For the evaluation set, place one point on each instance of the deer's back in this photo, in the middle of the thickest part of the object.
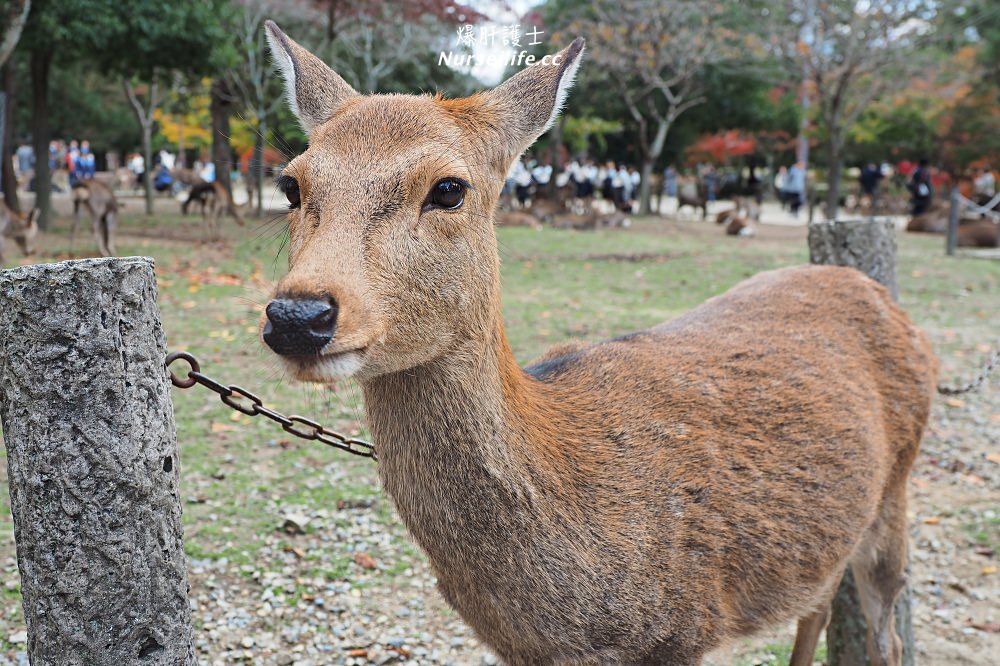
(742, 449)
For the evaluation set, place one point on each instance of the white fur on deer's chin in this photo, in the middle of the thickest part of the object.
(328, 368)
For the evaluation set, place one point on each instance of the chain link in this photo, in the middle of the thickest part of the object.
(245, 402)
(991, 363)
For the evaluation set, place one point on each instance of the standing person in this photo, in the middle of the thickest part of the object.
(71, 160)
(711, 180)
(25, 162)
(869, 180)
(795, 186)
(670, 181)
(921, 188)
(522, 182)
(984, 187)
(779, 186)
(634, 181)
(85, 164)
(541, 175)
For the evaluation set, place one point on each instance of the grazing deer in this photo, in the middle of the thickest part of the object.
(635, 501)
(691, 194)
(23, 228)
(215, 201)
(102, 206)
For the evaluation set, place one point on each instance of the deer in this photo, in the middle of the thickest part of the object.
(639, 500)
(215, 201)
(22, 227)
(102, 206)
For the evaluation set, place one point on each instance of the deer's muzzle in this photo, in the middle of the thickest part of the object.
(299, 327)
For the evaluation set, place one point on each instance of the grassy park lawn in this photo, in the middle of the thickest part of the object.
(240, 477)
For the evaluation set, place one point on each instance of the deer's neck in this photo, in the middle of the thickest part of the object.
(458, 443)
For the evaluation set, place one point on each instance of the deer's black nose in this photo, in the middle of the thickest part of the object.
(299, 327)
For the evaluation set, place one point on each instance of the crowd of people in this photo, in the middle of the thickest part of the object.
(617, 182)
(75, 158)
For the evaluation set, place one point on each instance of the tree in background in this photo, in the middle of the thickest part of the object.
(159, 40)
(13, 14)
(855, 52)
(656, 54)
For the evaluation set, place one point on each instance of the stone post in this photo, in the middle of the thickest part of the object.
(870, 246)
(93, 466)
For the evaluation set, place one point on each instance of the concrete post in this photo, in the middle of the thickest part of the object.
(870, 246)
(93, 466)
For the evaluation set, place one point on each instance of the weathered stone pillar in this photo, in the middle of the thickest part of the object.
(870, 246)
(93, 467)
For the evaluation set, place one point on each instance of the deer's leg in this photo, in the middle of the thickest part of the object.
(76, 223)
(880, 571)
(109, 233)
(97, 226)
(810, 627)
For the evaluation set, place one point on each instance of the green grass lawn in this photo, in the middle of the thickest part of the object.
(240, 475)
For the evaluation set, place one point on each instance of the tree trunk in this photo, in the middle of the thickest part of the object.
(833, 179)
(93, 465)
(8, 183)
(222, 152)
(145, 118)
(649, 160)
(41, 61)
(870, 246)
(645, 192)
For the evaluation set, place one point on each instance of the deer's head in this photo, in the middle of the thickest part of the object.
(392, 254)
(23, 228)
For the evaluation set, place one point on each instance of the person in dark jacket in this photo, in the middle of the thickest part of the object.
(921, 188)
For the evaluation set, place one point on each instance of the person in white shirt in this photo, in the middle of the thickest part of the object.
(984, 186)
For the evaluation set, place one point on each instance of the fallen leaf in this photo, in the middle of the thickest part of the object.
(955, 402)
(984, 550)
(365, 561)
(403, 652)
(931, 520)
(993, 457)
(221, 427)
(987, 570)
(992, 627)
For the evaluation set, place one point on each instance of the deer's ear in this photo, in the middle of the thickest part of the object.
(529, 102)
(314, 91)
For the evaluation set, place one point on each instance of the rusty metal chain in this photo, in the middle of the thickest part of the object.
(991, 363)
(244, 401)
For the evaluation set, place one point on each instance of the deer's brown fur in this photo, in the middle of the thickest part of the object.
(21, 227)
(635, 501)
(977, 233)
(102, 206)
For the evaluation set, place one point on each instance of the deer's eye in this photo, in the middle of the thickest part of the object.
(448, 193)
(290, 187)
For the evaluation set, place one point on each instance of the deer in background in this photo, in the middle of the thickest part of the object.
(103, 207)
(21, 227)
(640, 500)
